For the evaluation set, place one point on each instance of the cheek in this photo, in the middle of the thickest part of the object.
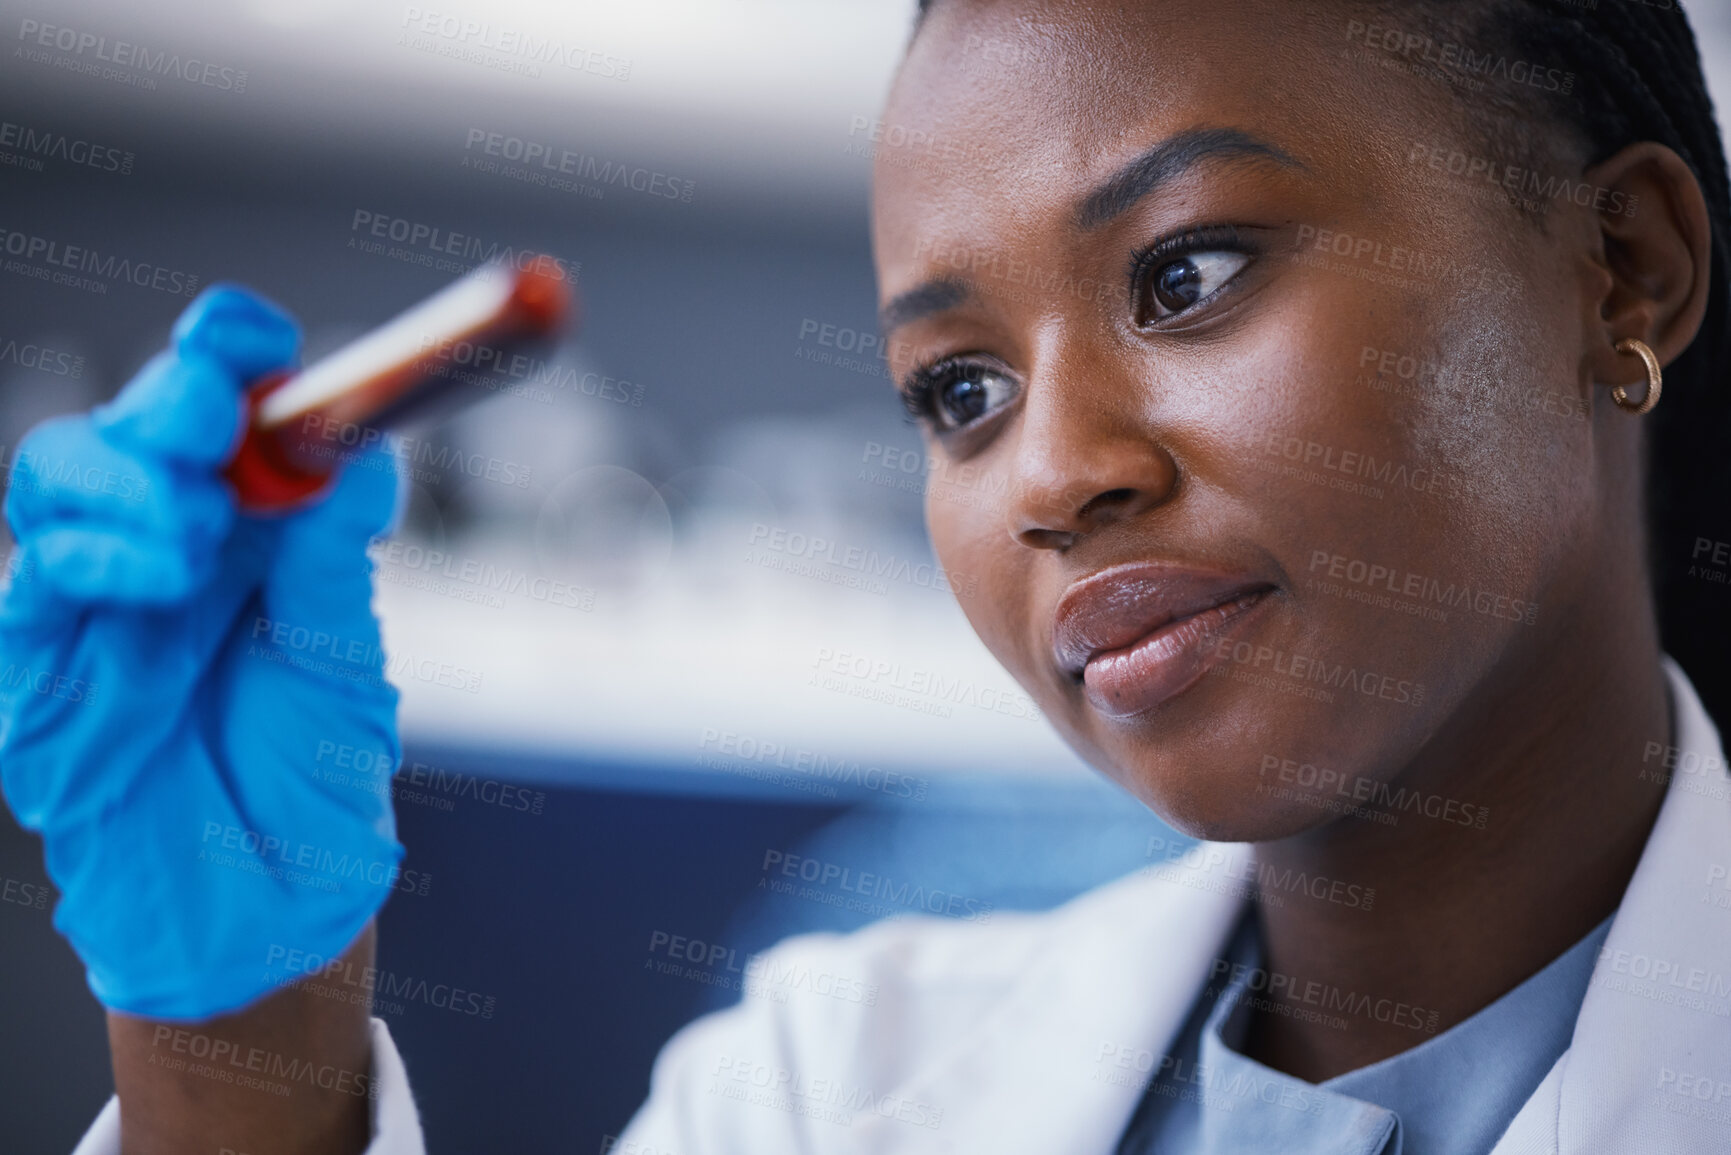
(1433, 416)
(966, 517)
(1419, 503)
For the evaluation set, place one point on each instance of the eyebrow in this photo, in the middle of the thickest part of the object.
(1167, 161)
(1159, 165)
(921, 301)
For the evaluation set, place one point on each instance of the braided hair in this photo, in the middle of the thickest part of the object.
(1643, 81)
(1639, 78)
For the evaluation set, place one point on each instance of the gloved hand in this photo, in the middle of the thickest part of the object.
(174, 675)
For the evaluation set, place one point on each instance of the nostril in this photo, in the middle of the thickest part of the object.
(1104, 500)
(1055, 539)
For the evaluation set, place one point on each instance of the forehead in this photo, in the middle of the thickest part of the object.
(1009, 111)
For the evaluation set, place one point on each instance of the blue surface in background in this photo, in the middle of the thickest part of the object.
(556, 915)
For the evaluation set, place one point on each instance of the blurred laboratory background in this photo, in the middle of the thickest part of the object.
(661, 607)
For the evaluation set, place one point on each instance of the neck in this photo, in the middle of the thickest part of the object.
(1462, 915)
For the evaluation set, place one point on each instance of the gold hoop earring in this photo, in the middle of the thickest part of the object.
(1655, 379)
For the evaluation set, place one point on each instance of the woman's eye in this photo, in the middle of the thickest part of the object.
(970, 395)
(1177, 285)
(962, 395)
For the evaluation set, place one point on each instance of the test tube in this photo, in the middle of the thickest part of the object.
(304, 424)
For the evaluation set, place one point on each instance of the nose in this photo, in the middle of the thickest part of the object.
(1085, 459)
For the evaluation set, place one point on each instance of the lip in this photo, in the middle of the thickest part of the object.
(1140, 634)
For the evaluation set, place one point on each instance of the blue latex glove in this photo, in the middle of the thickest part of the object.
(175, 675)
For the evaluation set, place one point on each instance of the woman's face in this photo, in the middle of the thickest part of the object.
(1261, 421)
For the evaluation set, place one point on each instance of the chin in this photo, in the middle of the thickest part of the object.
(1269, 822)
(1226, 776)
(1212, 799)
(1232, 761)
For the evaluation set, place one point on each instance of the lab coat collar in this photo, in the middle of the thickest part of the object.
(1654, 1031)
(1043, 1073)
(1114, 984)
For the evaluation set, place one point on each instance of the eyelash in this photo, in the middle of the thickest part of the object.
(1144, 263)
(919, 389)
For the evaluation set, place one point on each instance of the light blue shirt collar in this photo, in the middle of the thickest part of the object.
(1452, 1094)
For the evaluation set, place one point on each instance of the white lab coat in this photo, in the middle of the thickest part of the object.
(1033, 1033)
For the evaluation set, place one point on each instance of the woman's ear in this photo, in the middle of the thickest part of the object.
(1657, 245)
